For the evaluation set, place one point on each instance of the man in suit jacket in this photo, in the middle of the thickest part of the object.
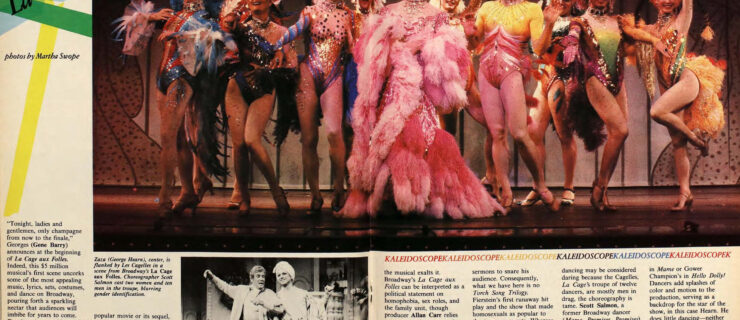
(253, 301)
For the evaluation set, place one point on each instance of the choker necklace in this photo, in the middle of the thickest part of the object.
(511, 2)
(329, 5)
(598, 13)
(413, 7)
(664, 20)
(193, 6)
(261, 24)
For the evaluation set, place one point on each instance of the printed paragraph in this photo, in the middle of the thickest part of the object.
(686, 293)
(599, 292)
(131, 276)
(41, 282)
(510, 293)
(421, 294)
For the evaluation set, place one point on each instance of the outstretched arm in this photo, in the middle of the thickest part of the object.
(541, 35)
(627, 24)
(294, 31)
(226, 288)
(161, 15)
(683, 21)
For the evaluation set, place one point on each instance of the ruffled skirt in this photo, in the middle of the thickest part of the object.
(706, 113)
(432, 180)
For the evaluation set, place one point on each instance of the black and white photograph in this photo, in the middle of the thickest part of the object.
(274, 288)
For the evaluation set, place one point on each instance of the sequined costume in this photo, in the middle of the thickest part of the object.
(194, 51)
(507, 29)
(561, 72)
(180, 55)
(599, 55)
(327, 40)
(253, 75)
(410, 67)
(706, 113)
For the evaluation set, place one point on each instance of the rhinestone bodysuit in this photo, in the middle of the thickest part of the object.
(328, 25)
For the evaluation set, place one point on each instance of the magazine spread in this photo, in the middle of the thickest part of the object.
(329, 159)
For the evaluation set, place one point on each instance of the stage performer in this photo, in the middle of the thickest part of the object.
(298, 304)
(505, 28)
(411, 63)
(188, 82)
(253, 301)
(552, 106)
(327, 26)
(458, 13)
(251, 94)
(689, 104)
(363, 10)
(596, 93)
(188, 78)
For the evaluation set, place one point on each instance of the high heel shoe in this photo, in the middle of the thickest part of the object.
(551, 205)
(532, 198)
(597, 196)
(565, 201)
(235, 200)
(599, 200)
(232, 205)
(204, 187)
(338, 202)
(165, 208)
(281, 200)
(684, 202)
(315, 208)
(244, 208)
(487, 184)
(605, 200)
(165, 212)
(506, 203)
(190, 201)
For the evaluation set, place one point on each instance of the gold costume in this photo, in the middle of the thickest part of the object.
(706, 113)
(524, 19)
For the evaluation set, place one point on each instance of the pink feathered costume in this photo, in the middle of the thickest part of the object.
(406, 70)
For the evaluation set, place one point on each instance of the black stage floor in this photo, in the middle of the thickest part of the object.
(124, 218)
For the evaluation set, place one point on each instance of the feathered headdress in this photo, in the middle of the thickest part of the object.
(134, 25)
(200, 47)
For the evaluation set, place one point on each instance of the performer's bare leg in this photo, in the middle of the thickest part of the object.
(476, 112)
(612, 110)
(540, 116)
(513, 99)
(172, 111)
(332, 109)
(307, 107)
(558, 111)
(676, 98)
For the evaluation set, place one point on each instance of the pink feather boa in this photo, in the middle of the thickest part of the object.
(389, 142)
